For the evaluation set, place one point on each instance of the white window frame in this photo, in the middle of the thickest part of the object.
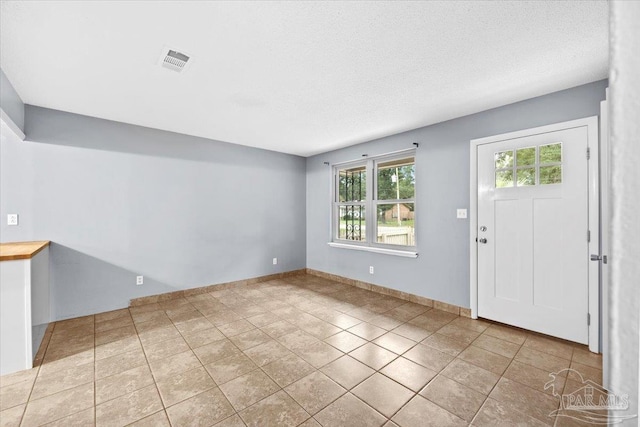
(370, 204)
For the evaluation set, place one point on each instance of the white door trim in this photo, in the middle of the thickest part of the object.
(591, 123)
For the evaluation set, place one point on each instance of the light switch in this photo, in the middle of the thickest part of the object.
(12, 219)
(462, 213)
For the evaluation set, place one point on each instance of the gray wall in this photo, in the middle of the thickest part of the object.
(624, 306)
(119, 200)
(441, 271)
(10, 102)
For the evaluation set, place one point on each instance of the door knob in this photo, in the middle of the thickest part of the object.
(483, 240)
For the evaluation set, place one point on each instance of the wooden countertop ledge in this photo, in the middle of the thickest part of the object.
(21, 250)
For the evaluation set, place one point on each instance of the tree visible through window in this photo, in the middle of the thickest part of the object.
(386, 204)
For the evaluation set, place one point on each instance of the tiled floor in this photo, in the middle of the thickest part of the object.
(298, 351)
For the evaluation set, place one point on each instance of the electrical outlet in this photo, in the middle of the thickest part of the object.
(371, 269)
(12, 219)
(139, 280)
(461, 213)
(275, 261)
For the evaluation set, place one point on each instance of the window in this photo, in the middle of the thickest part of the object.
(374, 202)
(540, 165)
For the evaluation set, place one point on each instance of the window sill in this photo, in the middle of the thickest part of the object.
(394, 252)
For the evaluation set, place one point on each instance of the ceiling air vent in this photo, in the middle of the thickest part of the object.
(174, 60)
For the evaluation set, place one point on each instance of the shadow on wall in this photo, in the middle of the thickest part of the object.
(81, 284)
(60, 128)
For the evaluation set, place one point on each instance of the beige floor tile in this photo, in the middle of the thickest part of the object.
(419, 410)
(53, 365)
(412, 332)
(173, 365)
(63, 380)
(11, 417)
(297, 339)
(585, 373)
(319, 354)
(15, 394)
(183, 314)
(18, 377)
(129, 408)
(367, 331)
(514, 335)
(223, 317)
(459, 333)
(310, 423)
(115, 334)
(477, 325)
(533, 377)
(159, 419)
(194, 325)
(235, 328)
(287, 369)
(549, 345)
(157, 335)
(215, 351)
(204, 337)
(582, 355)
(125, 382)
(485, 359)
(149, 316)
(263, 320)
(233, 421)
(350, 411)
(249, 388)
(408, 373)
(454, 397)
(428, 357)
(144, 308)
(445, 344)
(494, 413)
(315, 391)
(250, 339)
(204, 409)
(267, 352)
(496, 345)
(59, 405)
(394, 342)
(516, 396)
(229, 368)
(278, 329)
(321, 329)
(383, 394)
(73, 323)
(182, 386)
(544, 361)
(276, 410)
(117, 322)
(86, 417)
(385, 322)
(162, 349)
(345, 341)
(373, 356)
(156, 323)
(117, 347)
(471, 376)
(119, 363)
(429, 322)
(347, 371)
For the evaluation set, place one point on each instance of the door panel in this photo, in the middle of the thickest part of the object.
(533, 201)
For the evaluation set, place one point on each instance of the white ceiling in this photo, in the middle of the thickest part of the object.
(298, 77)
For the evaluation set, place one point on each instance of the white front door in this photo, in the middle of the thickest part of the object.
(533, 222)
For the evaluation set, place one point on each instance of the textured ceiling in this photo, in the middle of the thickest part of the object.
(298, 77)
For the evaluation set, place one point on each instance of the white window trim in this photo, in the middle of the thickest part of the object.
(370, 245)
(395, 252)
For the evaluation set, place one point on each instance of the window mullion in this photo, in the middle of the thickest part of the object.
(370, 206)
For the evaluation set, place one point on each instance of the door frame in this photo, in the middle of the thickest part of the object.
(591, 123)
